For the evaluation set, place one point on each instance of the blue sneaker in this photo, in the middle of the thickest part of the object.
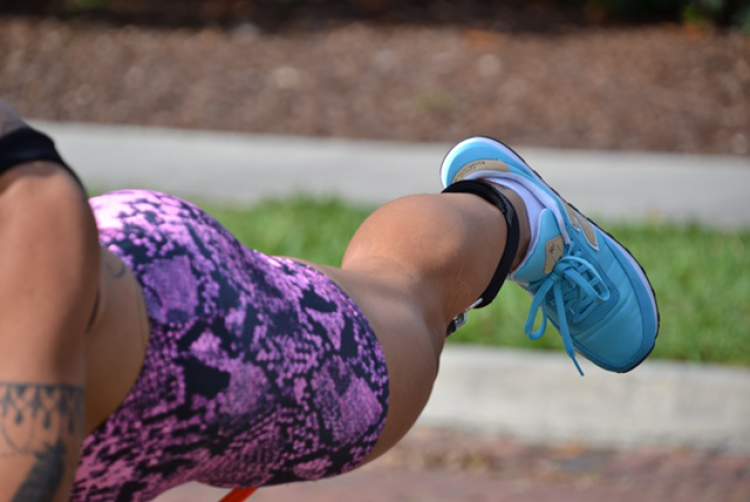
(584, 281)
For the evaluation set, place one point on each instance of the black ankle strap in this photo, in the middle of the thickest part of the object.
(492, 195)
(28, 145)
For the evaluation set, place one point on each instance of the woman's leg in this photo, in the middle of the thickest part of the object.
(284, 376)
(412, 267)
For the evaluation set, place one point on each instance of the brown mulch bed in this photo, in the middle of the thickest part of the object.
(655, 88)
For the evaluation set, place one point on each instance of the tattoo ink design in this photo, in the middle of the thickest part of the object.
(115, 267)
(37, 420)
(45, 476)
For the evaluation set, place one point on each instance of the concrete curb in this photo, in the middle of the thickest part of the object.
(539, 397)
(244, 168)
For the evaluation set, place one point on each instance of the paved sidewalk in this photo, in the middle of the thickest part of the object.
(433, 465)
(243, 168)
(538, 396)
(668, 431)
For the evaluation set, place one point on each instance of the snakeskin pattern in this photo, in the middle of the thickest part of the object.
(259, 370)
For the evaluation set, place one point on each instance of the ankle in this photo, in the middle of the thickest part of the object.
(524, 228)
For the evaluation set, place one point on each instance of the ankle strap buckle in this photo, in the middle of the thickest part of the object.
(461, 319)
(456, 323)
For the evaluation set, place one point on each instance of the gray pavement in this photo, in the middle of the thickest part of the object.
(537, 397)
(243, 168)
(540, 397)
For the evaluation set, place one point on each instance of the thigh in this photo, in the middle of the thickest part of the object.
(408, 342)
(316, 397)
(259, 370)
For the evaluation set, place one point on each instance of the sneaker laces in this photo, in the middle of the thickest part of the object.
(575, 288)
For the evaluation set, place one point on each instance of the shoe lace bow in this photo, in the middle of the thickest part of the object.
(574, 288)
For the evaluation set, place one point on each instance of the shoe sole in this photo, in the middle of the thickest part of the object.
(641, 273)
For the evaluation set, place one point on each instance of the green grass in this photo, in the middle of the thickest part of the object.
(701, 276)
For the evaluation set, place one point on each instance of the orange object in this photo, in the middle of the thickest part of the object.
(239, 495)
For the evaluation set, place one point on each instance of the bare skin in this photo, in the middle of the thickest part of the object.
(48, 271)
(409, 275)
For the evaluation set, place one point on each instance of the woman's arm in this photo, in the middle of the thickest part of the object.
(49, 270)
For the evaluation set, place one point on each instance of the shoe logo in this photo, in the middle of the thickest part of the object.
(480, 165)
(581, 223)
(555, 249)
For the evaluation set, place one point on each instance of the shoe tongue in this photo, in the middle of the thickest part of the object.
(546, 248)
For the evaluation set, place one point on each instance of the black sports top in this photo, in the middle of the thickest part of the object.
(27, 145)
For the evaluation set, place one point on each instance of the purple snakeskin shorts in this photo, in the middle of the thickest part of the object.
(259, 370)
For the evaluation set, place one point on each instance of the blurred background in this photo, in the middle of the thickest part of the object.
(664, 84)
(653, 74)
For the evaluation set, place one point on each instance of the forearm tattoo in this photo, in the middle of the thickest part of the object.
(39, 420)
